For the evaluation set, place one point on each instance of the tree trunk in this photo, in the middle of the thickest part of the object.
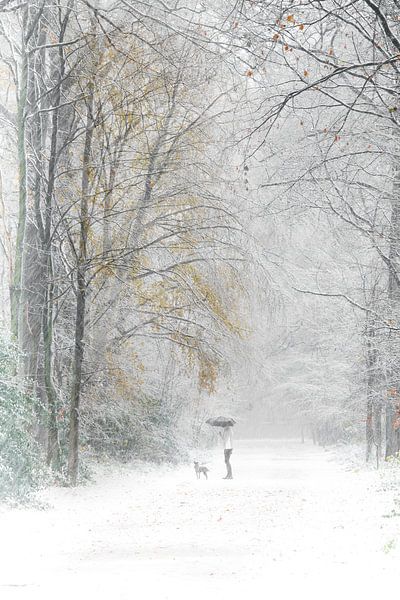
(77, 377)
(53, 444)
(378, 432)
(392, 408)
(371, 364)
(369, 430)
(29, 282)
(81, 290)
(15, 288)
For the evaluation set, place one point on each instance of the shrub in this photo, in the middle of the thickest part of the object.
(144, 428)
(21, 464)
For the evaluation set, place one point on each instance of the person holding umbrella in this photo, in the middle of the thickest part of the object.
(226, 423)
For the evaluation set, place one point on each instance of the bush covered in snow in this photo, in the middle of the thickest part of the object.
(21, 464)
(144, 428)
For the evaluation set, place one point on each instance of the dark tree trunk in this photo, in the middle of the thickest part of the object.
(372, 427)
(378, 431)
(77, 378)
(81, 291)
(53, 444)
(392, 408)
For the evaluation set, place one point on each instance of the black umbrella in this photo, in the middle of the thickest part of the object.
(221, 421)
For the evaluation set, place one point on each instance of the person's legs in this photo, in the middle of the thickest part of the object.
(228, 464)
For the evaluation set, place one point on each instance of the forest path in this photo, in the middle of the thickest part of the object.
(291, 523)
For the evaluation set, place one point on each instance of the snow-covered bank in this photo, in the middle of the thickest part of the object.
(292, 521)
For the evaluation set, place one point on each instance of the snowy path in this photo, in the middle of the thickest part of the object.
(292, 523)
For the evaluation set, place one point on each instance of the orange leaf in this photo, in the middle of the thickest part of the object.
(306, 73)
(249, 73)
(275, 37)
(290, 19)
(301, 27)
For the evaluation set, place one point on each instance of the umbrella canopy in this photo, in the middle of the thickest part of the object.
(221, 421)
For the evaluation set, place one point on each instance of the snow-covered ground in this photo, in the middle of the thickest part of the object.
(293, 523)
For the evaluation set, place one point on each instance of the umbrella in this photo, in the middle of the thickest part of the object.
(221, 421)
